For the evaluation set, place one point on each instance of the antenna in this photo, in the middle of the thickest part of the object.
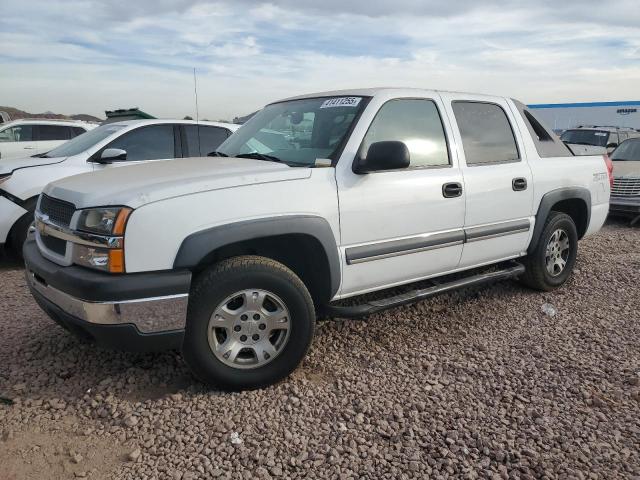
(195, 91)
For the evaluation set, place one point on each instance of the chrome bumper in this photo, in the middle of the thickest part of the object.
(149, 315)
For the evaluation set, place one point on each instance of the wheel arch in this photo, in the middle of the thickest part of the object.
(574, 201)
(29, 205)
(304, 243)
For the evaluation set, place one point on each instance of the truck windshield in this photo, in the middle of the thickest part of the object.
(597, 138)
(82, 142)
(628, 150)
(296, 132)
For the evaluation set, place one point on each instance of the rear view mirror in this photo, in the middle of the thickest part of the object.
(112, 155)
(388, 155)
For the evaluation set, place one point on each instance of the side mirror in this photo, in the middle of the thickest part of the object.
(388, 155)
(112, 155)
(611, 147)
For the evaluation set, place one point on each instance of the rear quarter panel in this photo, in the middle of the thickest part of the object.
(581, 171)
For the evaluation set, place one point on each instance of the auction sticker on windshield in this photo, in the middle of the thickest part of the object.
(341, 102)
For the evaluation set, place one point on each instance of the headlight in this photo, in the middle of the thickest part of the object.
(109, 223)
(104, 221)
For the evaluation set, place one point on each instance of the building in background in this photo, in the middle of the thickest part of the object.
(562, 116)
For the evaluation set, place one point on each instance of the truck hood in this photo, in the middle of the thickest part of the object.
(138, 185)
(626, 168)
(579, 149)
(10, 165)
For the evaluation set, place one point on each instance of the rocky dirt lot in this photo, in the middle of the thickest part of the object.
(499, 382)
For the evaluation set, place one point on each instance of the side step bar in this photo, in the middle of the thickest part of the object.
(512, 270)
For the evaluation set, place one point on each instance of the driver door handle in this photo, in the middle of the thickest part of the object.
(452, 190)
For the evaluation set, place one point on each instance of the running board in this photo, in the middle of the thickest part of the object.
(513, 270)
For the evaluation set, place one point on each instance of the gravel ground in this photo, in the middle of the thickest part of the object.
(499, 382)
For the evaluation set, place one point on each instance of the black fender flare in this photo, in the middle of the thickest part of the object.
(198, 245)
(549, 199)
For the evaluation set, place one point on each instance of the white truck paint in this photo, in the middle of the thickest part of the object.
(387, 226)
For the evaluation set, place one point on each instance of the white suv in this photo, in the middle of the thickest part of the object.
(114, 144)
(24, 138)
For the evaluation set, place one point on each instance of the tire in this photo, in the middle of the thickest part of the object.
(18, 234)
(251, 294)
(541, 271)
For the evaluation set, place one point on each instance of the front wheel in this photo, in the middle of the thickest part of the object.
(249, 324)
(552, 261)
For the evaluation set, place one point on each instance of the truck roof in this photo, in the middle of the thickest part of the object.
(370, 92)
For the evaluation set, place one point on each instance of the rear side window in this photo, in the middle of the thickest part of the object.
(486, 133)
(211, 138)
(417, 124)
(52, 132)
(207, 141)
(613, 138)
(147, 143)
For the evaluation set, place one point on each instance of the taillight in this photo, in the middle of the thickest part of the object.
(609, 165)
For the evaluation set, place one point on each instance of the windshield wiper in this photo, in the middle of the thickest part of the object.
(259, 156)
(217, 154)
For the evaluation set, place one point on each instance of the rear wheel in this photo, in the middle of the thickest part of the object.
(552, 261)
(250, 323)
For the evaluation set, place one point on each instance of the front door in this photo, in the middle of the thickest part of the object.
(497, 179)
(402, 225)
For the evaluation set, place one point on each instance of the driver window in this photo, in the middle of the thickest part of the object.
(147, 143)
(22, 133)
(417, 124)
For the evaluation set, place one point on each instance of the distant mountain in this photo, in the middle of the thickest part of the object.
(16, 114)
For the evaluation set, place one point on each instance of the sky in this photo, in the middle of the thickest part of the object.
(87, 56)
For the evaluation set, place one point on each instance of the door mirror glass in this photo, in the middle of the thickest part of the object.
(387, 155)
(113, 155)
(611, 147)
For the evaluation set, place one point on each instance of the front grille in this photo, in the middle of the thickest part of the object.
(626, 186)
(58, 211)
(56, 245)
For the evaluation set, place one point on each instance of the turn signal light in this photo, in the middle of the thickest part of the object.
(116, 260)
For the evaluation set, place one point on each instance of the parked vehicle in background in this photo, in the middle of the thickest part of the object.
(230, 260)
(594, 140)
(114, 144)
(625, 192)
(24, 138)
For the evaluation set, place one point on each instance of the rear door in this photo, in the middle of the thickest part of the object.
(399, 226)
(497, 179)
(49, 137)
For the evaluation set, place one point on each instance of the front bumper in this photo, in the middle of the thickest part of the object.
(624, 205)
(139, 311)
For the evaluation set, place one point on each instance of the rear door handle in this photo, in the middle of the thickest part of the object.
(29, 148)
(451, 190)
(519, 184)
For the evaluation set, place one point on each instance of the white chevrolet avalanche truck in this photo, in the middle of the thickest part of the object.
(316, 199)
(111, 145)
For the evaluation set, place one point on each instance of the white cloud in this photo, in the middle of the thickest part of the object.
(88, 56)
